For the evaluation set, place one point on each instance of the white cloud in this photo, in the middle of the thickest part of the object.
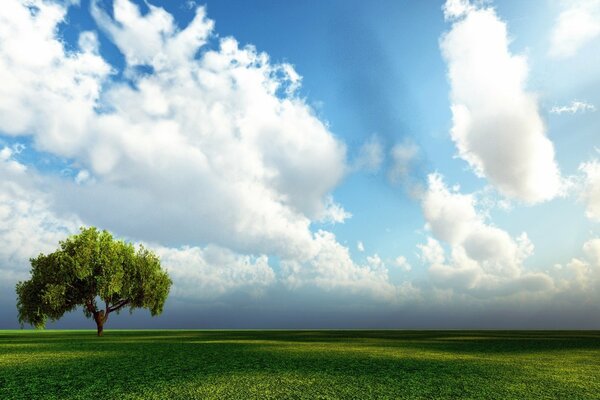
(28, 225)
(209, 149)
(334, 213)
(370, 155)
(206, 273)
(450, 216)
(577, 25)
(190, 4)
(360, 246)
(496, 124)
(402, 263)
(457, 8)
(375, 261)
(153, 39)
(484, 260)
(331, 268)
(44, 88)
(573, 108)
(217, 138)
(402, 155)
(584, 279)
(82, 177)
(254, 162)
(591, 189)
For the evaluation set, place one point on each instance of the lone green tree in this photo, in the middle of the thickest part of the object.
(88, 269)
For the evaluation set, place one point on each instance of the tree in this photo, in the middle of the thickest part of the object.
(89, 267)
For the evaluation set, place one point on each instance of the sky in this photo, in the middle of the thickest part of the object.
(332, 164)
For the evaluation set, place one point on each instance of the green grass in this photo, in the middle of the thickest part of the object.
(299, 365)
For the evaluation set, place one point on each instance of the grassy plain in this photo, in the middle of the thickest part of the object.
(300, 365)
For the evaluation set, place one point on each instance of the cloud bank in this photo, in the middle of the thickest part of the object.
(202, 149)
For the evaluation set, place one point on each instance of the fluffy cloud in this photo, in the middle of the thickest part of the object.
(577, 24)
(484, 260)
(331, 268)
(216, 137)
(582, 275)
(333, 213)
(153, 39)
(29, 226)
(205, 148)
(496, 125)
(457, 8)
(206, 273)
(253, 160)
(591, 189)
(402, 263)
(46, 90)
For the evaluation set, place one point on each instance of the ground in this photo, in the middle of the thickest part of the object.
(300, 365)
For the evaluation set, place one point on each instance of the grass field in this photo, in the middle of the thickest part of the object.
(299, 365)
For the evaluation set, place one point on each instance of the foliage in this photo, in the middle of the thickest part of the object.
(90, 266)
(300, 365)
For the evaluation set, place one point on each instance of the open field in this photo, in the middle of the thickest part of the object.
(300, 365)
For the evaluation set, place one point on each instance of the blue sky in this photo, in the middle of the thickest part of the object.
(350, 164)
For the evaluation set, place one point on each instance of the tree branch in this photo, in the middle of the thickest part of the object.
(91, 308)
(120, 303)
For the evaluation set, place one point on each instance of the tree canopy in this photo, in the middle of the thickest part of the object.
(93, 270)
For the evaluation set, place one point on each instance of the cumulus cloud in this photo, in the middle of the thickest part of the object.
(402, 263)
(331, 268)
(204, 147)
(29, 227)
(483, 259)
(457, 8)
(46, 89)
(333, 213)
(210, 272)
(153, 39)
(582, 274)
(216, 136)
(360, 246)
(591, 189)
(573, 108)
(577, 25)
(497, 128)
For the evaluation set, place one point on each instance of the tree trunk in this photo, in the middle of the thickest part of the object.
(100, 326)
(100, 320)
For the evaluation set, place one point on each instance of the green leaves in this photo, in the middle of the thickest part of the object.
(89, 265)
(151, 285)
(53, 296)
(29, 304)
